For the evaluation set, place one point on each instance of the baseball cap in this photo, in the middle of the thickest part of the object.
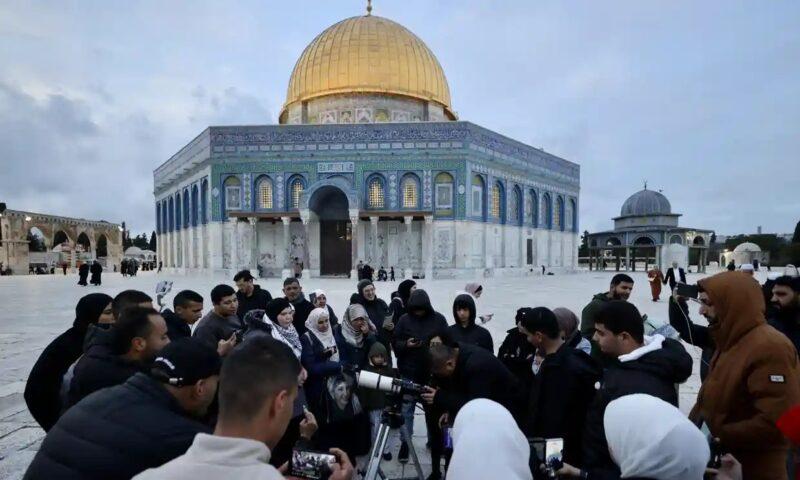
(184, 362)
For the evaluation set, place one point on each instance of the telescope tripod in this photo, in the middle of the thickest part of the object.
(391, 418)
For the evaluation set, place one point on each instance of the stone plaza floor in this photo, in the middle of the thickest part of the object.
(35, 309)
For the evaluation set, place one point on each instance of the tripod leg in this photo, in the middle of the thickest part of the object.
(406, 436)
(373, 467)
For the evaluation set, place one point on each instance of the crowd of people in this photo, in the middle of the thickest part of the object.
(129, 391)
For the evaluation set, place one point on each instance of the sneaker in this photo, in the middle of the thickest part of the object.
(402, 457)
(387, 456)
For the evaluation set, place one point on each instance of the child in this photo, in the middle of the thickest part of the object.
(374, 401)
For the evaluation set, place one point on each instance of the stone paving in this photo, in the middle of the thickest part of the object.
(35, 309)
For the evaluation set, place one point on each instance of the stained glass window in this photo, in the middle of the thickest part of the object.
(410, 193)
(297, 190)
(265, 194)
(495, 210)
(376, 197)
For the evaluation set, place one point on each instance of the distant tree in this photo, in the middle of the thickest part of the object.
(796, 236)
(153, 241)
(141, 241)
(583, 251)
(713, 238)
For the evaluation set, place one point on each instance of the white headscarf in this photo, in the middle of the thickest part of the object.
(325, 338)
(650, 438)
(790, 270)
(351, 335)
(319, 293)
(485, 426)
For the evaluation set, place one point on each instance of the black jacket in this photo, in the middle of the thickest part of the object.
(478, 374)
(656, 373)
(413, 363)
(257, 301)
(99, 368)
(302, 307)
(516, 353)
(176, 328)
(692, 333)
(43, 389)
(471, 334)
(788, 323)
(116, 434)
(559, 398)
(670, 278)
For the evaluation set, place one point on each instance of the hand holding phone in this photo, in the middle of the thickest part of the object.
(687, 291)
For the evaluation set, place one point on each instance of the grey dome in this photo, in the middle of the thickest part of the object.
(646, 202)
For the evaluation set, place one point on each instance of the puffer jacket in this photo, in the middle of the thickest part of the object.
(115, 434)
(754, 377)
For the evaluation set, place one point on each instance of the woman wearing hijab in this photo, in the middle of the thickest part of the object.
(400, 299)
(377, 310)
(42, 392)
(320, 355)
(649, 439)
(320, 300)
(355, 334)
(488, 444)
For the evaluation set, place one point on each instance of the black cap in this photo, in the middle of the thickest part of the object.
(276, 306)
(522, 313)
(184, 362)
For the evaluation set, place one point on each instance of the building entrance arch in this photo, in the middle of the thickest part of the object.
(331, 205)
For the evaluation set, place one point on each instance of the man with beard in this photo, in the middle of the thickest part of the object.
(752, 380)
(412, 336)
(620, 289)
(249, 295)
(302, 307)
(219, 326)
(137, 336)
(146, 421)
(649, 365)
(465, 330)
(786, 308)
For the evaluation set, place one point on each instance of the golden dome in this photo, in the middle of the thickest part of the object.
(368, 54)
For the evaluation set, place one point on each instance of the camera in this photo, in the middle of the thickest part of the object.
(392, 385)
(688, 291)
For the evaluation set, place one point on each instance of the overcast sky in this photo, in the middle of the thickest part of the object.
(702, 99)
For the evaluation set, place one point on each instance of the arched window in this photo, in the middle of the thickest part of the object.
(547, 211)
(195, 206)
(233, 193)
(559, 220)
(443, 191)
(477, 196)
(516, 206)
(376, 197)
(498, 202)
(171, 210)
(296, 187)
(264, 193)
(204, 201)
(178, 212)
(409, 188)
(573, 207)
(186, 209)
(534, 209)
(676, 239)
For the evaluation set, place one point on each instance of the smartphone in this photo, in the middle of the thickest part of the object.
(311, 465)
(688, 291)
(538, 446)
(553, 454)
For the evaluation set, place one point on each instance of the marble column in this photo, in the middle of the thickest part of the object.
(408, 272)
(354, 243)
(74, 256)
(627, 259)
(488, 261)
(523, 261)
(427, 246)
(254, 252)
(287, 262)
(374, 255)
(234, 243)
(201, 246)
(190, 250)
(305, 217)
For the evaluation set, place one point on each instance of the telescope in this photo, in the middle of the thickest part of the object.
(386, 384)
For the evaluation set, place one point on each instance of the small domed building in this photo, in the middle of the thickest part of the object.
(369, 162)
(746, 252)
(647, 231)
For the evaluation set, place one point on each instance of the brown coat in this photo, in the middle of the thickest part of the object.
(754, 378)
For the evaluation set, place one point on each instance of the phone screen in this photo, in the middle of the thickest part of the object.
(311, 465)
(552, 449)
(689, 291)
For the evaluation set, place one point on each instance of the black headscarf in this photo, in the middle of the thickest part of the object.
(404, 290)
(88, 310)
(276, 306)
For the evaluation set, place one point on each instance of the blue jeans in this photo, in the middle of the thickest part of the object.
(409, 406)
